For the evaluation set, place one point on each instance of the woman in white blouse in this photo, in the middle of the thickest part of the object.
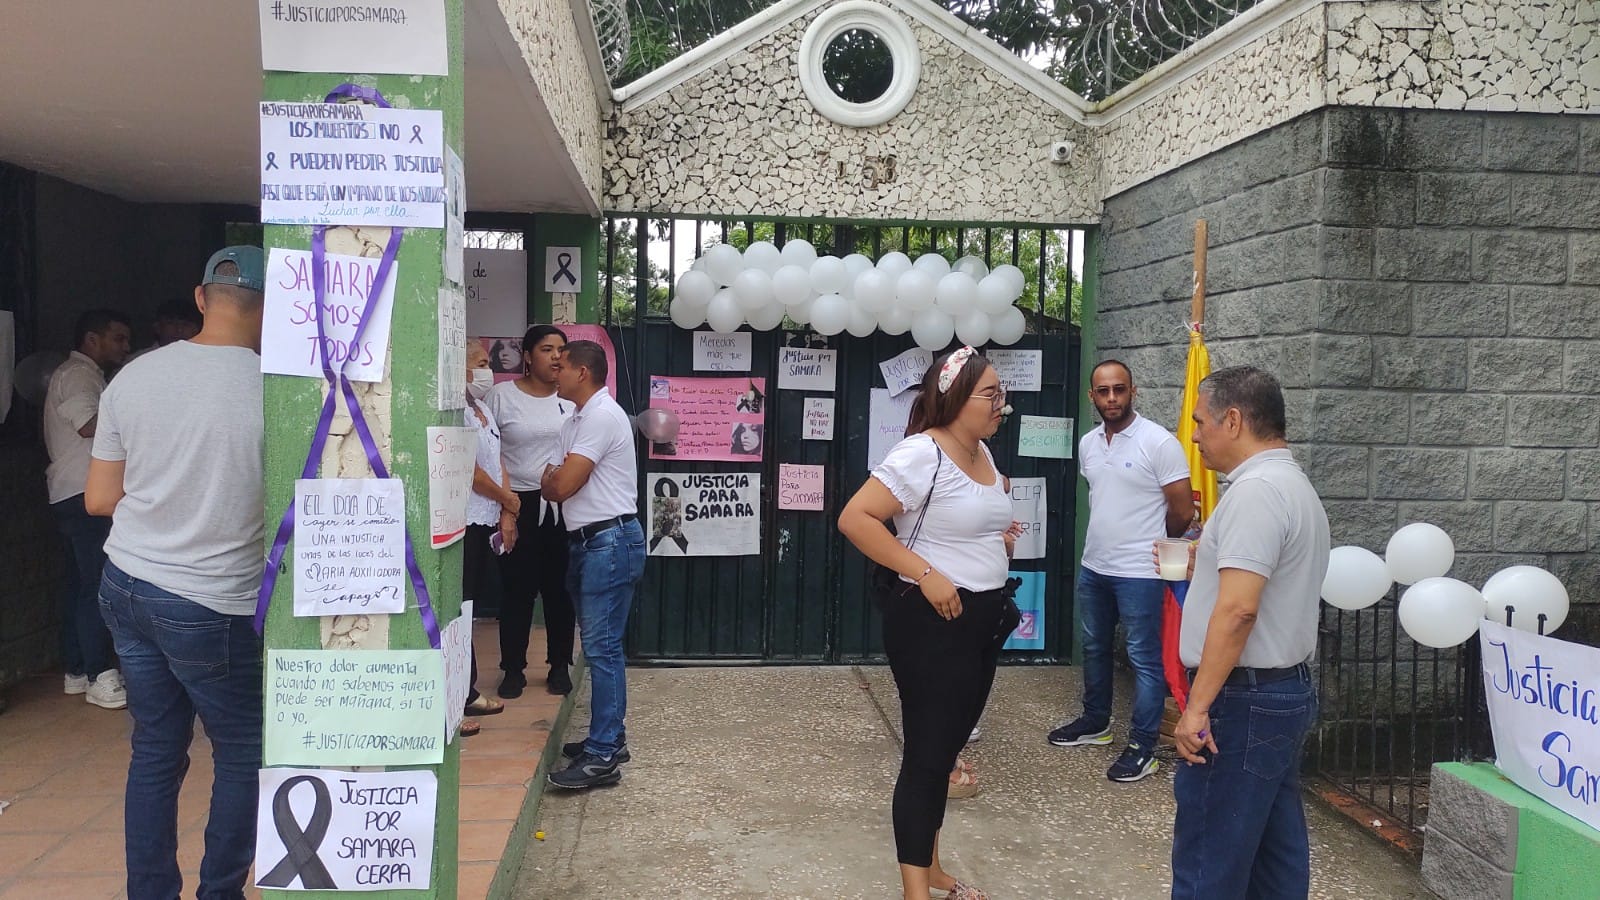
(491, 513)
(949, 610)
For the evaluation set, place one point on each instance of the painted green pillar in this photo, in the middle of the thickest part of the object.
(398, 410)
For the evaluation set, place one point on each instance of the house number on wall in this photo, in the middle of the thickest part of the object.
(875, 171)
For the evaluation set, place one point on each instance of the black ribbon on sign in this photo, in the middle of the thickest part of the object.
(272, 161)
(563, 262)
(301, 860)
(416, 135)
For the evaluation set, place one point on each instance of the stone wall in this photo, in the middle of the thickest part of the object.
(551, 45)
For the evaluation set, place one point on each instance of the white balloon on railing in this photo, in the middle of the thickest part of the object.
(724, 263)
(932, 263)
(1008, 327)
(862, 322)
(799, 253)
(1014, 275)
(971, 265)
(914, 291)
(800, 313)
(1356, 579)
(855, 264)
(894, 264)
(699, 264)
(1441, 612)
(830, 313)
(695, 289)
(828, 275)
(1529, 590)
(767, 317)
(685, 314)
(874, 291)
(974, 328)
(791, 285)
(753, 288)
(763, 255)
(932, 330)
(956, 295)
(994, 294)
(724, 314)
(894, 320)
(1419, 551)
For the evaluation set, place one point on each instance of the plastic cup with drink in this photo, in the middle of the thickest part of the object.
(1172, 559)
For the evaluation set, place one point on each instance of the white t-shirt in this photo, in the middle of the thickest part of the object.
(71, 400)
(600, 432)
(963, 534)
(530, 431)
(483, 510)
(1127, 508)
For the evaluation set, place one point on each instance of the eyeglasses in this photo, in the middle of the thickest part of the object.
(995, 400)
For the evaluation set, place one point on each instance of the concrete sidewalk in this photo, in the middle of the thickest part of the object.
(776, 782)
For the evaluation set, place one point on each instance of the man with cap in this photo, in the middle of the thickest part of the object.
(177, 465)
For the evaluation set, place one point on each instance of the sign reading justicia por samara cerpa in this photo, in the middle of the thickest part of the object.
(1544, 706)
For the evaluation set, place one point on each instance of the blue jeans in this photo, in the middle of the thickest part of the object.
(1102, 601)
(602, 574)
(1241, 830)
(85, 642)
(179, 659)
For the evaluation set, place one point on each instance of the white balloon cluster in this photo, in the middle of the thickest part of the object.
(1437, 611)
(931, 298)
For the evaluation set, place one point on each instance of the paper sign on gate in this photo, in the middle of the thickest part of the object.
(563, 270)
(351, 164)
(718, 418)
(1029, 506)
(349, 546)
(712, 514)
(1019, 370)
(452, 456)
(1029, 633)
(456, 643)
(289, 316)
(1045, 436)
(799, 487)
(326, 830)
(721, 352)
(497, 291)
(906, 370)
(818, 419)
(394, 37)
(354, 707)
(805, 369)
(886, 423)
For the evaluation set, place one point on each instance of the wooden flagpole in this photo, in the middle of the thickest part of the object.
(1197, 304)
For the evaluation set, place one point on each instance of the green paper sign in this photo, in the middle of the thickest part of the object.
(354, 707)
(1045, 436)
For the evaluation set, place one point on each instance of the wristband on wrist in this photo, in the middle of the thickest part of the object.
(925, 573)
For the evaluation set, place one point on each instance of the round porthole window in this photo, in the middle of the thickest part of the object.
(859, 64)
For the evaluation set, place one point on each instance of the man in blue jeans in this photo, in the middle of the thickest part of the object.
(596, 484)
(1138, 492)
(1249, 632)
(177, 465)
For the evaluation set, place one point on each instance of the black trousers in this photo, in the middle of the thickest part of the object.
(475, 567)
(943, 670)
(536, 567)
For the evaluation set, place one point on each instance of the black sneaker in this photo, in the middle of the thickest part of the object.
(587, 771)
(1078, 733)
(575, 750)
(559, 681)
(1135, 763)
(511, 686)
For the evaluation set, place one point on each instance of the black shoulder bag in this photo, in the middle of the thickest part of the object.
(886, 582)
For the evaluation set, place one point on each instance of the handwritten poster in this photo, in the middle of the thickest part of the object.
(906, 370)
(1045, 436)
(718, 418)
(818, 419)
(799, 487)
(1029, 633)
(497, 291)
(1029, 506)
(351, 164)
(452, 359)
(1019, 370)
(289, 316)
(456, 643)
(452, 456)
(323, 830)
(704, 515)
(354, 707)
(455, 198)
(398, 37)
(805, 369)
(887, 415)
(721, 352)
(349, 546)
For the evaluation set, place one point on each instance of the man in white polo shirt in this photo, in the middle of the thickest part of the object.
(597, 485)
(1138, 492)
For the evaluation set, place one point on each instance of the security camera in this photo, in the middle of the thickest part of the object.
(1061, 152)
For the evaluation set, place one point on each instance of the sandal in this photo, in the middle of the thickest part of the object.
(963, 785)
(963, 892)
(483, 706)
(469, 728)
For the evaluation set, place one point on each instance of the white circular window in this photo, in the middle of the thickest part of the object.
(859, 63)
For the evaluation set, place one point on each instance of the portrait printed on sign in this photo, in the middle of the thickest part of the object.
(505, 357)
(666, 515)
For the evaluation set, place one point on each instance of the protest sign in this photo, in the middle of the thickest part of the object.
(1029, 633)
(452, 392)
(718, 418)
(289, 316)
(455, 641)
(354, 707)
(497, 292)
(563, 270)
(349, 546)
(704, 515)
(906, 370)
(393, 37)
(818, 419)
(351, 164)
(455, 198)
(804, 369)
(1045, 436)
(322, 830)
(1028, 508)
(886, 423)
(452, 456)
(1019, 370)
(799, 487)
(715, 352)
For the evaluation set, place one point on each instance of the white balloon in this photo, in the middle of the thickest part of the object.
(894, 264)
(799, 253)
(1530, 590)
(994, 294)
(828, 275)
(1356, 579)
(934, 264)
(1419, 551)
(724, 314)
(685, 314)
(800, 313)
(724, 263)
(763, 255)
(932, 330)
(753, 288)
(1013, 275)
(914, 291)
(695, 289)
(699, 264)
(1441, 612)
(830, 313)
(971, 265)
(1008, 327)
(791, 285)
(874, 291)
(862, 322)
(973, 328)
(766, 318)
(855, 264)
(894, 320)
(957, 294)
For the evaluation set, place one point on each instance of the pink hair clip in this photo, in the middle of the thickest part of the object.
(952, 367)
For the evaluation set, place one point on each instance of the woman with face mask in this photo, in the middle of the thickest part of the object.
(491, 512)
(530, 416)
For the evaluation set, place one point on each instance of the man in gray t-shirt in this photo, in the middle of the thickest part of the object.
(1249, 630)
(176, 463)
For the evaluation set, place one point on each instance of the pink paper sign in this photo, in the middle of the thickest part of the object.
(799, 487)
(718, 418)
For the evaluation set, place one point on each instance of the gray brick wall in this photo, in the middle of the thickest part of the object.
(1427, 286)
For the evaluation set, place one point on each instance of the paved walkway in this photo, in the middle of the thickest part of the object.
(775, 782)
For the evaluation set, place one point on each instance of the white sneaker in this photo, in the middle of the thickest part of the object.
(107, 691)
(977, 732)
(74, 684)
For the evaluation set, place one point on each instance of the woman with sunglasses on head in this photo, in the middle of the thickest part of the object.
(949, 609)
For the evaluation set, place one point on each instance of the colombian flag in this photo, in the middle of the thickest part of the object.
(1203, 482)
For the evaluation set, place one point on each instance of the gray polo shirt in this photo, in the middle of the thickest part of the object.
(1270, 522)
